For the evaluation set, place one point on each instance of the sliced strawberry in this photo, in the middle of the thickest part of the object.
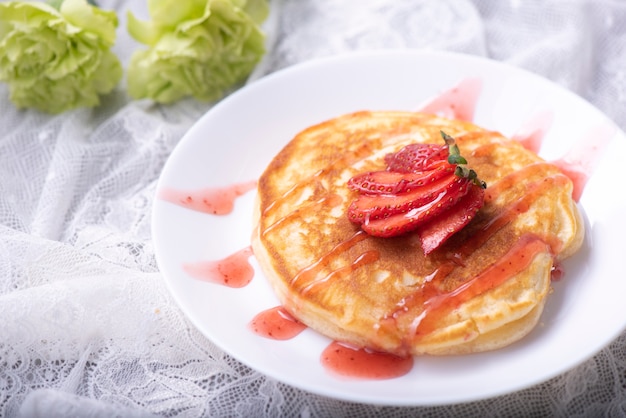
(426, 188)
(371, 207)
(382, 182)
(390, 222)
(392, 182)
(434, 233)
(415, 157)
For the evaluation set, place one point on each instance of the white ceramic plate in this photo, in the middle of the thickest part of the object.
(235, 141)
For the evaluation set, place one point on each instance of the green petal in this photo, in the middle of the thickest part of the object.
(258, 10)
(142, 31)
(90, 18)
(203, 56)
(170, 13)
(108, 73)
(55, 61)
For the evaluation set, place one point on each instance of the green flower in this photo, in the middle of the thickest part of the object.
(55, 60)
(198, 48)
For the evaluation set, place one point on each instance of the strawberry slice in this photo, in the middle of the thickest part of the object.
(426, 188)
(371, 207)
(388, 222)
(416, 157)
(434, 233)
(392, 182)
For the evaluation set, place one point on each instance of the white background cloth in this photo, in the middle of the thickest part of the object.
(87, 327)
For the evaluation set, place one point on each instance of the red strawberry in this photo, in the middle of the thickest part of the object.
(393, 223)
(442, 193)
(438, 230)
(415, 157)
(392, 182)
(426, 188)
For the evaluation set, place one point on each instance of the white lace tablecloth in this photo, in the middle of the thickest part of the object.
(87, 325)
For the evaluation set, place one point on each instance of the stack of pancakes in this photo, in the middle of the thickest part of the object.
(483, 289)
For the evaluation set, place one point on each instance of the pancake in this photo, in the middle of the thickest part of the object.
(483, 289)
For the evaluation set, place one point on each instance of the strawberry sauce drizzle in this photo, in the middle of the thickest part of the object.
(507, 182)
(456, 103)
(347, 159)
(531, 134)
(580, 162)
(522, 204)
(429, 294)
(214, 201)
(310, 273)
(362, 363)
(329, 200)
(232, 271)
(518, 258)
(367, 257)
(557, 272)
(276, 324)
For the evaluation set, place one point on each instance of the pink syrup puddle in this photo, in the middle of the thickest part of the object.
(277, 324)
(361, 363)
(214, 200)
(581, 161)
(557, 273)
(232, 271)
(457, 103)
(531, 134)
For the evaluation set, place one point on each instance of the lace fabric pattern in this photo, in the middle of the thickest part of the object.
(88, 327)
